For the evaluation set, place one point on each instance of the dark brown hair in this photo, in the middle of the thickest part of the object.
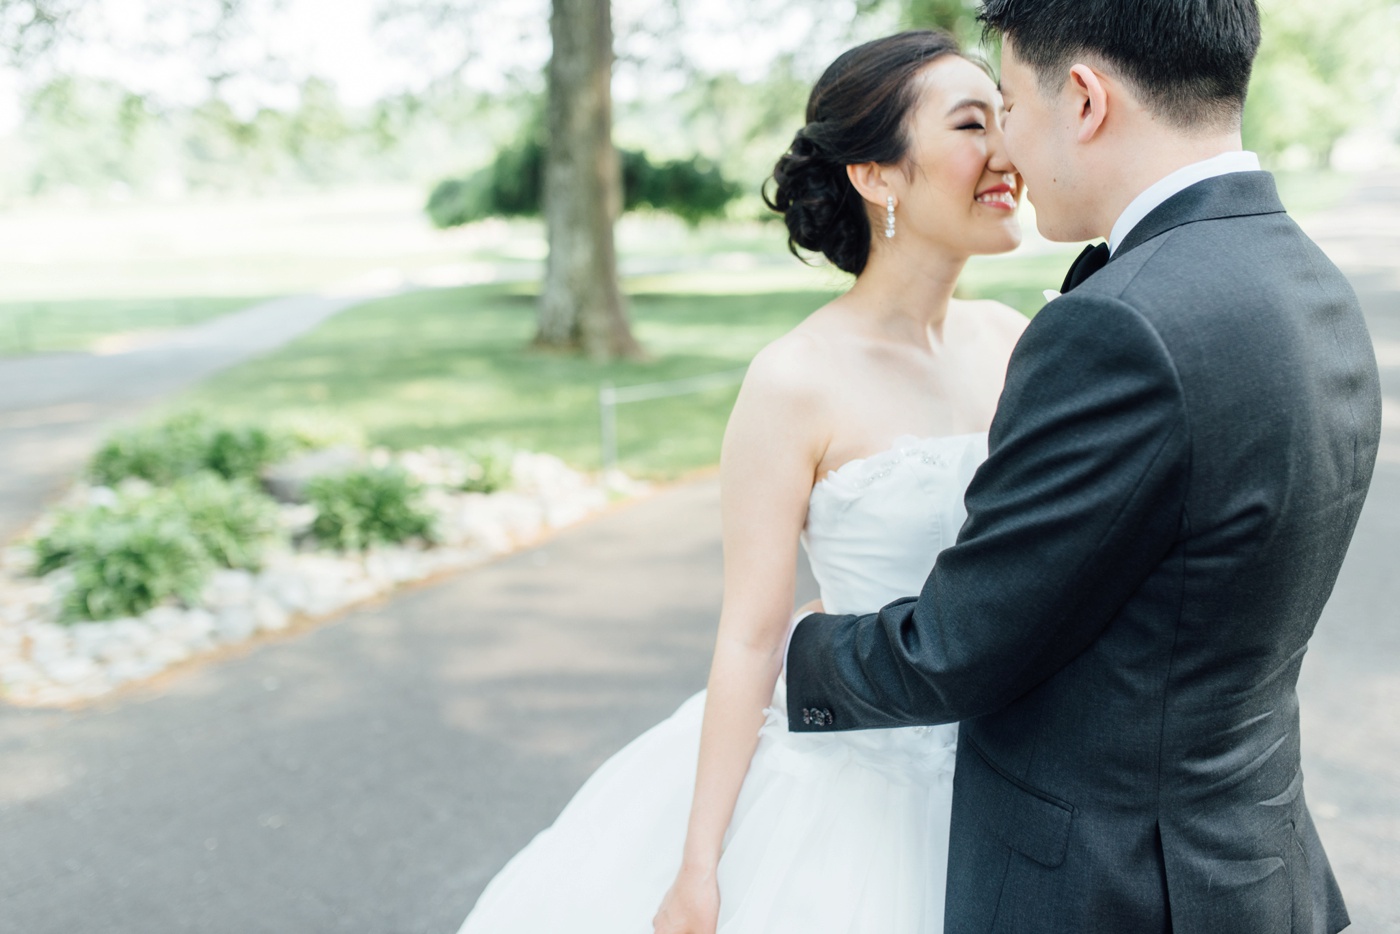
(858, 112)
(1188, 60)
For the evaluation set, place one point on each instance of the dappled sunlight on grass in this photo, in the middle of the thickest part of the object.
(741, 280)
(452, 366)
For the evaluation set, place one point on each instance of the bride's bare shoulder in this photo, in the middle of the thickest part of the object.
(995, 319)
(796, 366)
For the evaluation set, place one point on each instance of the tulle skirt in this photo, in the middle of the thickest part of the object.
(834, 833)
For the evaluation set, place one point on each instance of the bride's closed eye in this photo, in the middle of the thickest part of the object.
(972, 126)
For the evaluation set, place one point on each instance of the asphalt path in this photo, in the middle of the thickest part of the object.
(372, 773)
(55, 408)
(1350, 685)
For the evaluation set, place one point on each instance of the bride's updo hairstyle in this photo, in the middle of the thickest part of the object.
(857, 113)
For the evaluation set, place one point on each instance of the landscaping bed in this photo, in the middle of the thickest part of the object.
(175, 544)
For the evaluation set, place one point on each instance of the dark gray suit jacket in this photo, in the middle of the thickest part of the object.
(1176, 468)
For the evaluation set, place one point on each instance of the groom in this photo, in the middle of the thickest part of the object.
(1182, 449)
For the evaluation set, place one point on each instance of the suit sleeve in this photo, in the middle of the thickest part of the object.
(1079, 499)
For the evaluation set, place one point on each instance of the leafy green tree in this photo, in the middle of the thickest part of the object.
(581, 303)
(89, 134)
(958, 17)
(1317, 76)
(28, 28)
(581, 306)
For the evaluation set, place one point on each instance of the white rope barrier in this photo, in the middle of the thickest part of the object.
(610, 397)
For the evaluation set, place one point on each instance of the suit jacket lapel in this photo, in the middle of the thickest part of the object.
(1238, 194)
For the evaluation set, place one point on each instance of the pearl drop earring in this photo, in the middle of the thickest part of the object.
(889, 217)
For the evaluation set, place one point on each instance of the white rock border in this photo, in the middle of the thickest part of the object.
(45, 663)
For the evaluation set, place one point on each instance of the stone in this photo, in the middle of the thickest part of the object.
(287, 481)
(132, 632)
(164, 618)
(17, 674)
(115, 652)
(48, 637)
(435, 467)
(235, 624)
(286, 586)
(200, 622)
(228, 588)
(387, 567)
(89, 639)
(70, 670)
(166, 652)
(11, 637)
(270, 615)
(295, 519)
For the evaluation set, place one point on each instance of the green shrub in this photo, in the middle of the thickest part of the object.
(159, 453)
(136, 563)
(457, 201)
(234, 520)
(185, 444)
(242, 453)
(125, 559)
(145, 548)
(510, 186)
(691, 189)
(71, 530)
(488, 468)
(363, 507)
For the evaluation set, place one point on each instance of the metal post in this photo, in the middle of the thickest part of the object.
(607, 412)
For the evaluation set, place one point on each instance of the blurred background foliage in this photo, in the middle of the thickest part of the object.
(701, 88)
(165, 161)
(692, 189)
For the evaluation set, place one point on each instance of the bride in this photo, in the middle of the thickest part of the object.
(857, 433)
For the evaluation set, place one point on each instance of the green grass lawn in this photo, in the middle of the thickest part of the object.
(42, 326)
(451, 366)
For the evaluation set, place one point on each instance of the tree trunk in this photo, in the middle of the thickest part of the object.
(582, 305)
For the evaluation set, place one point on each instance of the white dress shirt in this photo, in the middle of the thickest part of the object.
(1180, 180)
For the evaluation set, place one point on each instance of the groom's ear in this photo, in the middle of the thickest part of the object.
(1090, 96)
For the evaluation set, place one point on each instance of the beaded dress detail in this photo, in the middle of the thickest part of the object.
(833, 833)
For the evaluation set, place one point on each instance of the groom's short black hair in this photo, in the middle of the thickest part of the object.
(1188, 60)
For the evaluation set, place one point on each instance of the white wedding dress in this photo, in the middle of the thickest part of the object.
(833, 833)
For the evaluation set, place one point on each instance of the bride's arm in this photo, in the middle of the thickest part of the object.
(771, 448)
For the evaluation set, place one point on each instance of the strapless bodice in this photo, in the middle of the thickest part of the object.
(874, 528)
(876, 524)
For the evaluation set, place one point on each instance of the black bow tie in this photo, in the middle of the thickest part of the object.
(1089, 262)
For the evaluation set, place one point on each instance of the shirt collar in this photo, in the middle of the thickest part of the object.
(1180, 180)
